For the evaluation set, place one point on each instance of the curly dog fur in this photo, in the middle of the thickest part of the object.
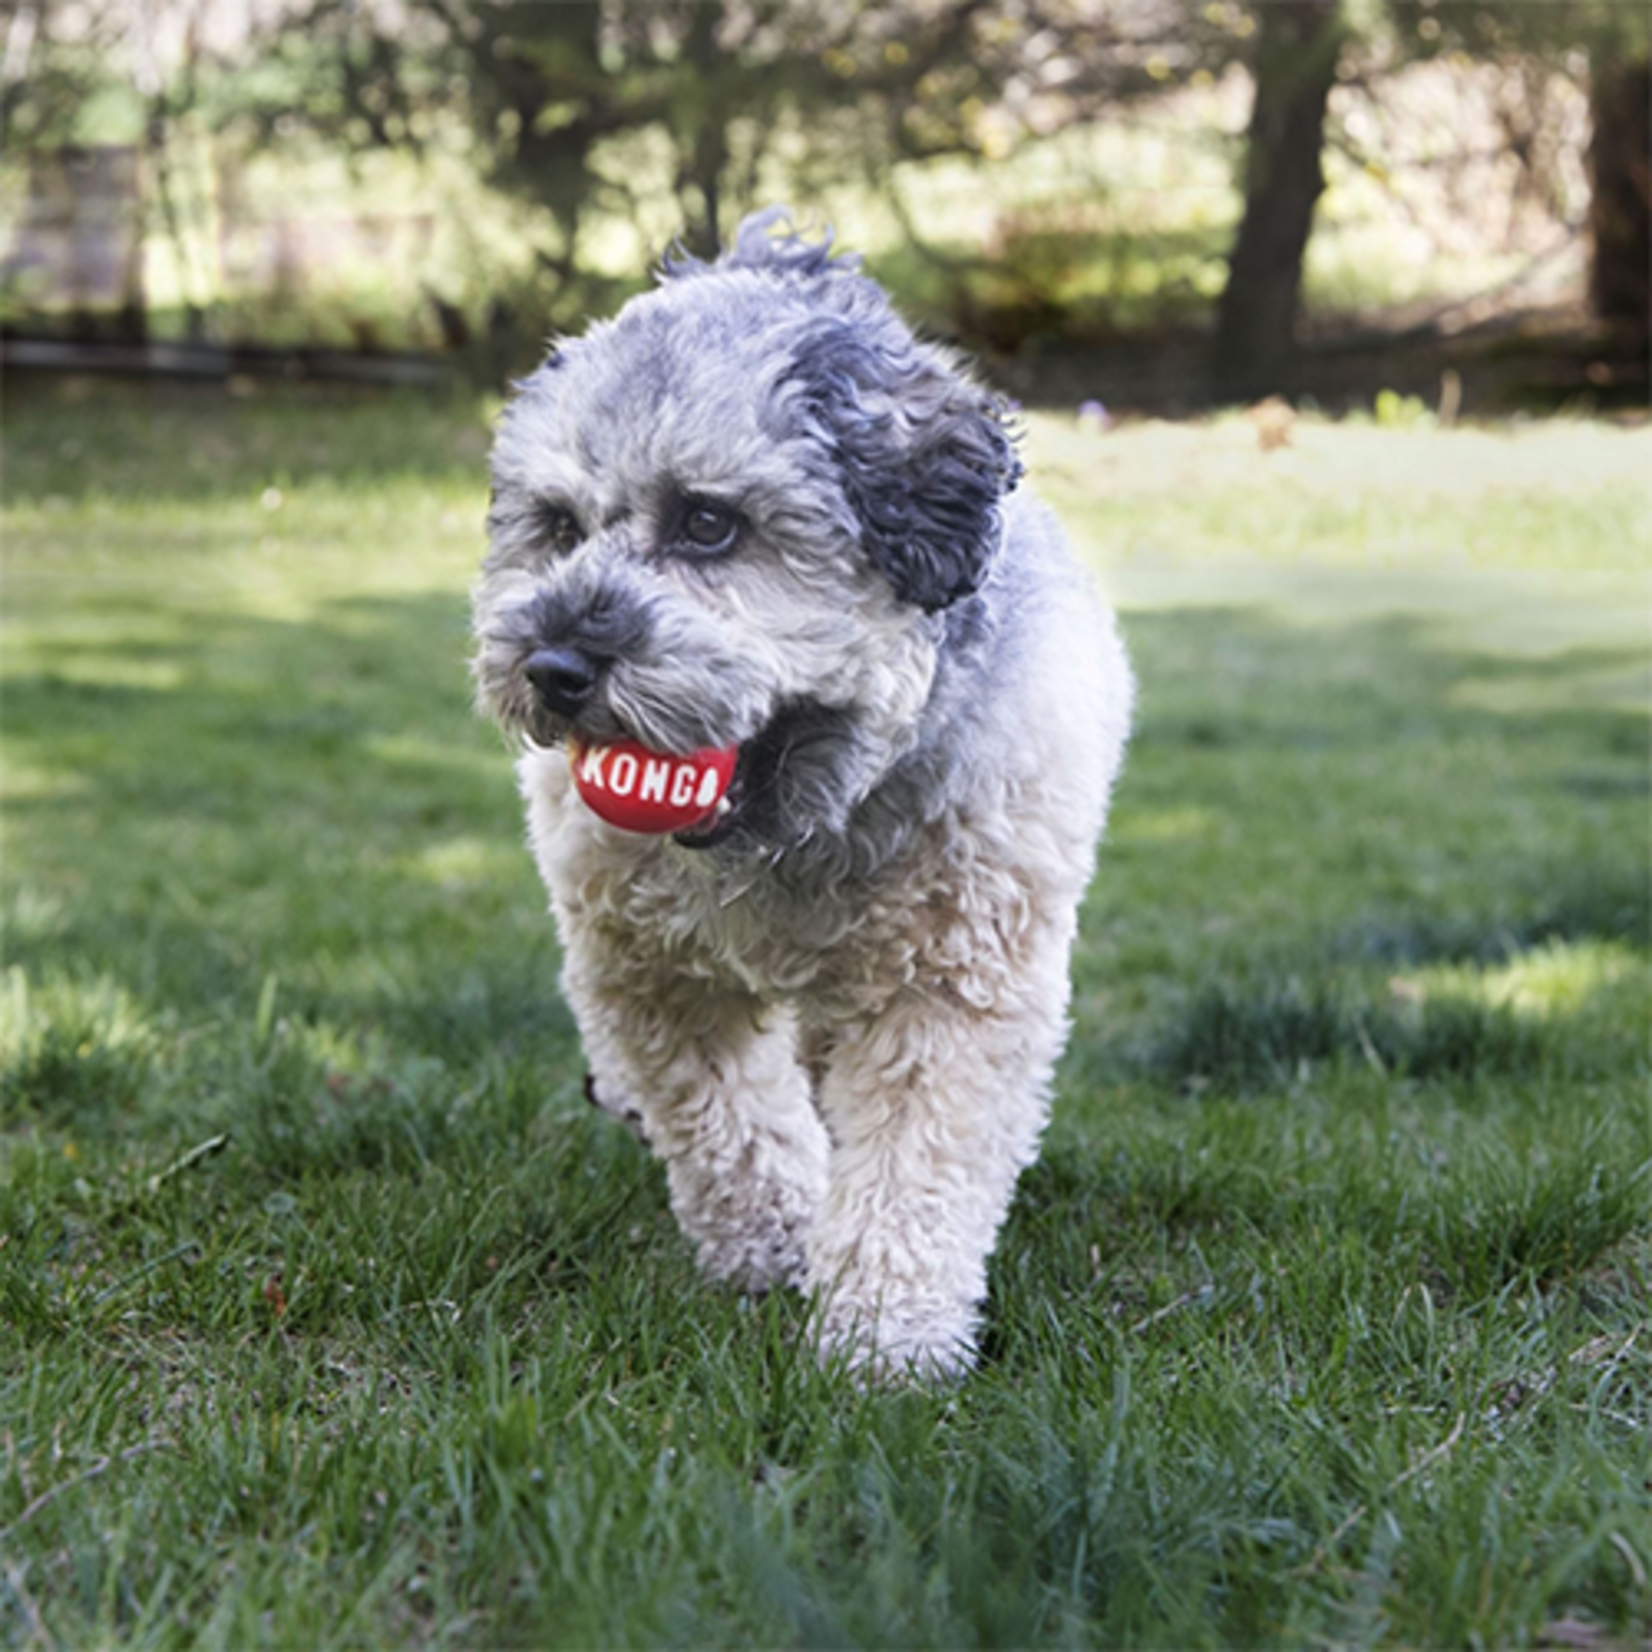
(753, 510)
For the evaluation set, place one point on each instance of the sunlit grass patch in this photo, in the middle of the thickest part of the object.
(77, 1055)
(1562, 1009)
(1351, 496)
(1559, 979)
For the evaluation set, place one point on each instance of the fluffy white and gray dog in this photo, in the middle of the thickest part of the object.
(752, 511)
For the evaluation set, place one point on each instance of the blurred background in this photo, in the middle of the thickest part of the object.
(1157, 205)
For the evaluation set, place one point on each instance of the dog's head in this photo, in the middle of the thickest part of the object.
(735, 515)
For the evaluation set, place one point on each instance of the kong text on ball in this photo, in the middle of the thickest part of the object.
(640, 790)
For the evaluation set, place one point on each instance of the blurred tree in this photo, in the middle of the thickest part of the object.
(1297, 46)
(53, 60)
(58, 61)
(1617, 41)
(541, 87)
(847, 89)
(1620, 206)
(559, 104)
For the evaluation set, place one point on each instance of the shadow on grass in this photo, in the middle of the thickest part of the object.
(1304, 803)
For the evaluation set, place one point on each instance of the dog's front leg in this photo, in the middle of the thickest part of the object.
(933, 1112)
(714, 1078)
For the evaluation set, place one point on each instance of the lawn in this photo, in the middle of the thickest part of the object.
(330, 1314)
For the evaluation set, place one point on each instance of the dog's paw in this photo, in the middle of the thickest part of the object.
(892, 1343)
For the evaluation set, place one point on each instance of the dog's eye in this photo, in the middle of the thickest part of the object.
(557, 526)
(708, 526)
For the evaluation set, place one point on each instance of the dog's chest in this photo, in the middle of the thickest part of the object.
(773, 941)
(837, 946)
(944, 916)
(843, 950)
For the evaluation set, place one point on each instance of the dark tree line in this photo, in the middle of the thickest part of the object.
(542, 88)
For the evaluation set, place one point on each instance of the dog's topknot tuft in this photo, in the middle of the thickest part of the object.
(754, 248)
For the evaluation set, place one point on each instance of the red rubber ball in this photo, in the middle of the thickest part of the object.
(646, 791)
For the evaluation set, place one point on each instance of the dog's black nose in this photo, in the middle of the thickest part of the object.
(564, 678)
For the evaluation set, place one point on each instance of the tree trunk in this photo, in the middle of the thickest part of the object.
(1620, 207)
(702, 134)
(527, 66)
(1296, 62)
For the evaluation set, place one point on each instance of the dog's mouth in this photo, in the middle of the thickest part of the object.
(756, 768)
(768, 802)
(780, 790)
(724, 820)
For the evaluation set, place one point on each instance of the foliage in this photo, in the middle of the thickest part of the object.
(1506, 28)
(574, 110)
(50, 77)
(561, 147)
(333, 1315)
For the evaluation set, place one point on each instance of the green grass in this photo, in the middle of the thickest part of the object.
(330, 1314)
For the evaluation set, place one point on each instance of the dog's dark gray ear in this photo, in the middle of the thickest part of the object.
(924, 455)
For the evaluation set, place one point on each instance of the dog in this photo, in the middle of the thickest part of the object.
(754, 511)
